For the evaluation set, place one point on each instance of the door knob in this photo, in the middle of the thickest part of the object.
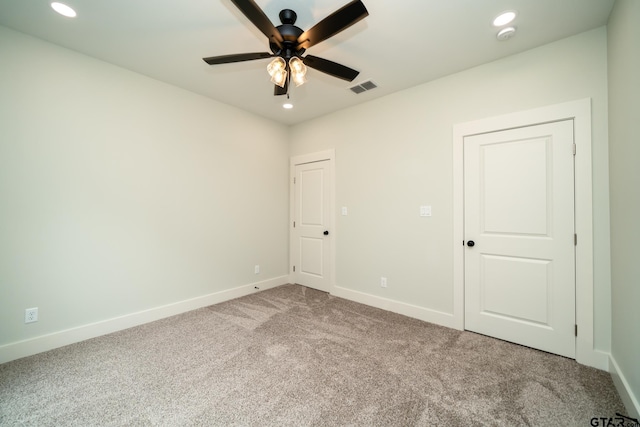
(326, 232)
(471, 243)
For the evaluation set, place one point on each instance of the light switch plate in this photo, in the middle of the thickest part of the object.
(344, 211)
(425, 210)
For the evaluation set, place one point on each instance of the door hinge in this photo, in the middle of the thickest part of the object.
(575, 240)
(294, 268)
(576, 330)
(294, 224)
(574, 148)
(294, 178)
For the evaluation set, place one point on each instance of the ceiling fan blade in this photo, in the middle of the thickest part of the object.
(332, 68)
(339, 20)
(238, 57)
(277, 90)
(253, 12)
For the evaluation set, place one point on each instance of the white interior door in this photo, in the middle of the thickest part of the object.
(311, 233)
(519, 232)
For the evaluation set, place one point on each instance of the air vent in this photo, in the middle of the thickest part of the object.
(363, 87)
(369, 85)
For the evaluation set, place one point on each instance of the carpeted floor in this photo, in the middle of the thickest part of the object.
(293, 356)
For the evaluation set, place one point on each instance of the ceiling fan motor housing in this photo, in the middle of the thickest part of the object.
(290, 33)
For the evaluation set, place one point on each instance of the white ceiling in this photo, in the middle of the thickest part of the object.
(401, 43)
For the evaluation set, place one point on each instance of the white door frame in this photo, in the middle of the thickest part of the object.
(320, 156)
(580, 112)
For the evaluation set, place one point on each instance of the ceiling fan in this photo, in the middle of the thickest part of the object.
(288, 43)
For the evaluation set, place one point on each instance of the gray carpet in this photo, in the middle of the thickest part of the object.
(293, 356)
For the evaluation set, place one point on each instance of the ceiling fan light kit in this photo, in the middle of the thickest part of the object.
(288, 44)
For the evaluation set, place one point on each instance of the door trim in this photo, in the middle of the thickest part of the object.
(320, 156)
(580, 112)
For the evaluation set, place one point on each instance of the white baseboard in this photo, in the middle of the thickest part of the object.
(624, 390)
(420, 313)
(47, 342)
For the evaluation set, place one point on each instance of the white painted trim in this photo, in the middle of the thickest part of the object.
(320, 156)
(580, 112)
(47, 342)
(593, 357)
(630, 401)
(313, 157)
(414, 311)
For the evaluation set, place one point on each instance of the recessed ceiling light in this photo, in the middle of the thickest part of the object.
(287, 106)
(504, 18)
(63, 9)
(506, 33)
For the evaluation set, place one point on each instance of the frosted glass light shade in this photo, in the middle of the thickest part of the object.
(298, 79)
(298, 70)
(277, 69)
(297, 66)
(276, 66)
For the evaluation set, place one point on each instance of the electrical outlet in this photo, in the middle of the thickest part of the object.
(383, 282)
(256, 269)
(31, 315)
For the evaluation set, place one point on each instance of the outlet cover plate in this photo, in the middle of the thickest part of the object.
(31, 315)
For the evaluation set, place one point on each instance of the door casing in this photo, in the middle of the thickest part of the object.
(580, 112)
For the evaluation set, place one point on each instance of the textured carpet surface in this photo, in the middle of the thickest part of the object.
(293, 356)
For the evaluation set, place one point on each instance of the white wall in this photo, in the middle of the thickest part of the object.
(624, 150)
(394, 154)
(120, 194)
